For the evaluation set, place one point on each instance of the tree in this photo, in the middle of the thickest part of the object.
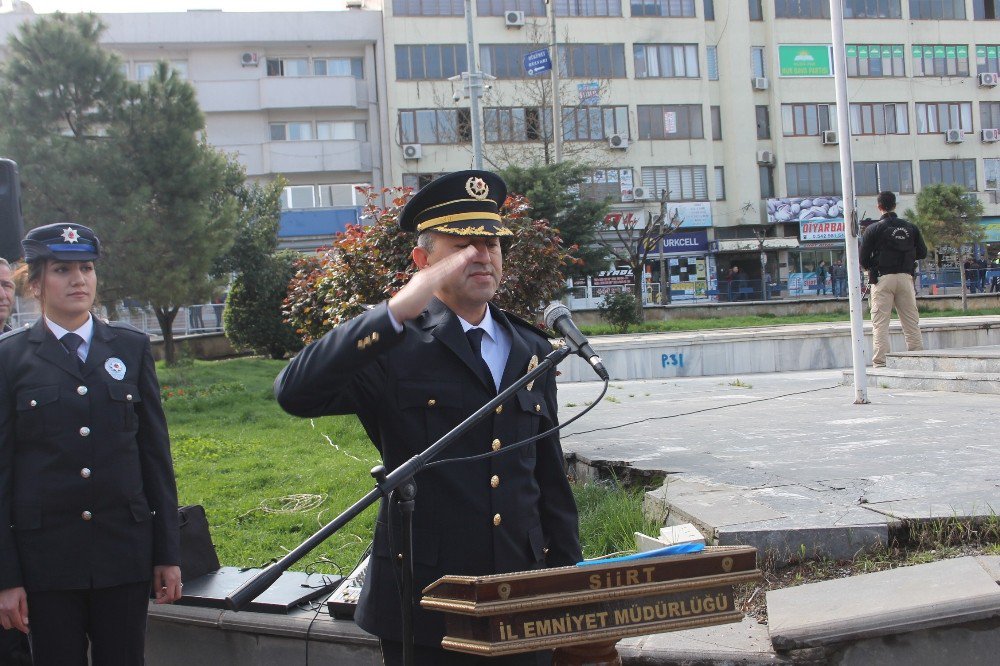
(368, 264)
(58, 91)
(261, 274)
(179, 199)
(552, 192)
(948, 218)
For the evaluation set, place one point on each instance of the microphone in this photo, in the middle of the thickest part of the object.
(558, 319)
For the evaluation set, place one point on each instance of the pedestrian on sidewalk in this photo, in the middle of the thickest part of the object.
(88, 503)
(889, 251)
(821, 274)
(839, 274)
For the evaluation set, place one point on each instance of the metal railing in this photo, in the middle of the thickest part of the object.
(190, 320)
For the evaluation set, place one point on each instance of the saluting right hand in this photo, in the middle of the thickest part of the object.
(14, 609)
(412, 299)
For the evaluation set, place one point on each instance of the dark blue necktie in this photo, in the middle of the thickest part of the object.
(475, 336)
(72, 342)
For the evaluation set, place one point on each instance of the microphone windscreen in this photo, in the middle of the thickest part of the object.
(554, 311)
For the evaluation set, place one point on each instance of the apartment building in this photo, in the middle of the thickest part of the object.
(290, 94)
(728, 106)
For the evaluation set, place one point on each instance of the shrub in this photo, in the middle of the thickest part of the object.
(253, 318)
(621, 310)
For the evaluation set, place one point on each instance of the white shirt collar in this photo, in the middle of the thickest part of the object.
(86, 331)
(488, 324)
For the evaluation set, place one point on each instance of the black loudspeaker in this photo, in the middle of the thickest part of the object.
(11, 222)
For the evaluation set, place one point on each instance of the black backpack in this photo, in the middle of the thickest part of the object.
(898, 249)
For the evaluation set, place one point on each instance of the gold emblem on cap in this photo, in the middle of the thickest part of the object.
(532, 364)
(477, 188)
(503, 589)
(727, 564)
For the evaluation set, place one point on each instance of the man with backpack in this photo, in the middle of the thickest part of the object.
(889, 250)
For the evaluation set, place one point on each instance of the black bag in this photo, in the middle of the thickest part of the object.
(197, 550)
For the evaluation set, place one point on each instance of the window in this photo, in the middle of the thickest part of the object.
(756, 10)
(989, 115)
(339, 67)
(763, 121)
(985, 10)
(937, 9)
(505, 61)
(296, 131)
(805, 179)
(288, 67)
(879, 119)
(666, 61)
(594, 123)
(516, 124)
(873, 9)
(807, 119)
(940, 60)
(606, 184)
(675, 121)
(766, 174)
(682, 183)
(802, 9)
(720, 184)
(419, 62)
(712, 62)
(870, 178)
(875, 60)
(587, 61)
(298, 196)
(419, 180)
(435, 126)
(672, 8)
(991, 169)
(757, 61)
(938, 117)
(950, 172)
(709, 10)
(986, 58)
(342, 130)
(428, 7)
(339, 195)
(587, 7)
(716, 114)
(500, 7)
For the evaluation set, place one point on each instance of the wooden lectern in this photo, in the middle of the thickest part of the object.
(593, 605)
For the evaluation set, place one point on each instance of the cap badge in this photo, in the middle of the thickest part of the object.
(115, 367)
(477, 188)
(70, 235)
(532, 364)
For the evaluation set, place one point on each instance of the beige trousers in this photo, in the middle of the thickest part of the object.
(895, 289)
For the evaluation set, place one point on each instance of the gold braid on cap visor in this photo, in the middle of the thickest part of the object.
(470, 231)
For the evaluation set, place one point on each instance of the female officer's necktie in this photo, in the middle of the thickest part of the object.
(72, 342)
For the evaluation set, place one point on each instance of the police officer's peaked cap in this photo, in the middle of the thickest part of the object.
(464, 203)
(65, 241)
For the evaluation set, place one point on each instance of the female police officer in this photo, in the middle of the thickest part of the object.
(88, 505)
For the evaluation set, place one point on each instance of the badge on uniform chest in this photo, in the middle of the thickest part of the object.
(115, 367)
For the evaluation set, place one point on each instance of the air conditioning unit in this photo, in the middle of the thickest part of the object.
(760, 83)
(513, 19)
(989, 79)
(249, 59)
(412, 151)
(990, 135)
(641, 194)
(954, 136)
(765, 157)
(618, 141)
(829, 137)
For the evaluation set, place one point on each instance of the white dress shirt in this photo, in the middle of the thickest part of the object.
(86, 332)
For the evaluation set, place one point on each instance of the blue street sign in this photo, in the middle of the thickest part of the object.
(537, 62)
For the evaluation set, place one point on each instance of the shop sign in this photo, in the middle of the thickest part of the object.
(823, 230)
(627, 219)
(681, 242)
(694, 214)
(991, 229)
(803, 209)
(590, 92)
(620, 276)
(805, 60)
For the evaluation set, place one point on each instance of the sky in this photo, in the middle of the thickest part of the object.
(108, 6)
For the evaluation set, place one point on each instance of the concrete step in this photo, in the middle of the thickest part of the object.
(928, 380)
(984, 359)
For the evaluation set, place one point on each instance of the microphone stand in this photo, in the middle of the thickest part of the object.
(400, 485)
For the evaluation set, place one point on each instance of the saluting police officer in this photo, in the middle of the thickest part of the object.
(412, 369)
(88, 504)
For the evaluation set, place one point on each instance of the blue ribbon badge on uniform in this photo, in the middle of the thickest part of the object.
(115, 367)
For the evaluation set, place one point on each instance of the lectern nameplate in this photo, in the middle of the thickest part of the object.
(533, 610)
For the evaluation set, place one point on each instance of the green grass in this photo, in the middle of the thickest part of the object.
(764, 319)
(268, 480)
